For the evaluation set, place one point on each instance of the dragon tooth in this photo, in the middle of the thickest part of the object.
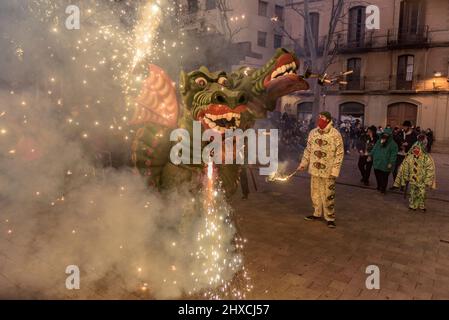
(229, 116)
(212, 124)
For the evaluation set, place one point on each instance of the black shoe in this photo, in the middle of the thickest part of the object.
(245, 197)
(424, 210)
(411, 209)
(311, 218)
(331, 224)
(394, 188)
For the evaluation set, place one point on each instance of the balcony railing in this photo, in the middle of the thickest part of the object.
(366, 41)
(354, 84)
(392, 83)
(418, 35)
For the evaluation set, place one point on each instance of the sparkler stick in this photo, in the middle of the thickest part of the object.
(275, 177)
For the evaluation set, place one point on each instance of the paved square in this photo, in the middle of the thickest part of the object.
(290, 258)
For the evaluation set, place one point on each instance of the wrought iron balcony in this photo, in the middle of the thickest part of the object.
(391, 84)
(354, 83)
(365, 42)
(409, 37)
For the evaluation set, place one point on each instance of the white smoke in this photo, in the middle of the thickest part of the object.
(61, 108)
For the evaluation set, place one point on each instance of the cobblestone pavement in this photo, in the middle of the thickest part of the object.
(290, 258)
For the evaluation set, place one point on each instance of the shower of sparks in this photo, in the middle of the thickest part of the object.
(110, 47)
(220, 262)
(124, 53)
(278, 177)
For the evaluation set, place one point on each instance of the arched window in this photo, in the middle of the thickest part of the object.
(353, 112)
(356, 27)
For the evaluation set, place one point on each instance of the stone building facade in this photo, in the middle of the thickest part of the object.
(400, 70)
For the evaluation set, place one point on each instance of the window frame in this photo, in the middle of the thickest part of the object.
(208, 8)
(405, 77)
(282, 13)
(277, 37)
(357, 29)
(355, 79)
(265, 36)
(263, 3)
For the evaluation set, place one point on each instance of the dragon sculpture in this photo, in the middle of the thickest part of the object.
(219, 101)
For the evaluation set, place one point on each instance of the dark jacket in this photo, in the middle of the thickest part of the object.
(403, 138)
(365, 144)
(384, 155)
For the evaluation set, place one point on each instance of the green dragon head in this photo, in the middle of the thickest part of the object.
(277, 78)
(221, 101)
(211, 99)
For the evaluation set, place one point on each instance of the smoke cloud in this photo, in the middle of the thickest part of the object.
(65, 196)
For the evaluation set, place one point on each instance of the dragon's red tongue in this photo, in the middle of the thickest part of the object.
(219, 109)
(285, 85)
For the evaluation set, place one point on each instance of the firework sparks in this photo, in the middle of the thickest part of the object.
(278, 177)
(108, 49)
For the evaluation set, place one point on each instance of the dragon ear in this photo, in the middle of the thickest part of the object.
(184, 83)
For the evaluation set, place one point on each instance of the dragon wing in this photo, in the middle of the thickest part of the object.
(157, 102)
(157, 111)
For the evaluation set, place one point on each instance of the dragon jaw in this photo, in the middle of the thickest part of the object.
(220, 117)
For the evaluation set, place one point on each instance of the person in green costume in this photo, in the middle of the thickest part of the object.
(384, 156)
(418, 170)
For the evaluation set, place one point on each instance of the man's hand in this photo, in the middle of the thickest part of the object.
(301, 168)
(390, 166)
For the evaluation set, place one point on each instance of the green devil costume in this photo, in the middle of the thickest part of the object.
(418, 170)
(384, 156)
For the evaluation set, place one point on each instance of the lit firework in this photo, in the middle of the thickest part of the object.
(278, 177)
(219, 262)
(104, 48)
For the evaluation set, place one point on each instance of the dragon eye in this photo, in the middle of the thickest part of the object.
(201, 82)
(223, 81)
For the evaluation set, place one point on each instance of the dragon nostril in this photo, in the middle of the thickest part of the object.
(220, 98)
(242, 99)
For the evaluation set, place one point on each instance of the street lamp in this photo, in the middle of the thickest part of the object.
(436, 74)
